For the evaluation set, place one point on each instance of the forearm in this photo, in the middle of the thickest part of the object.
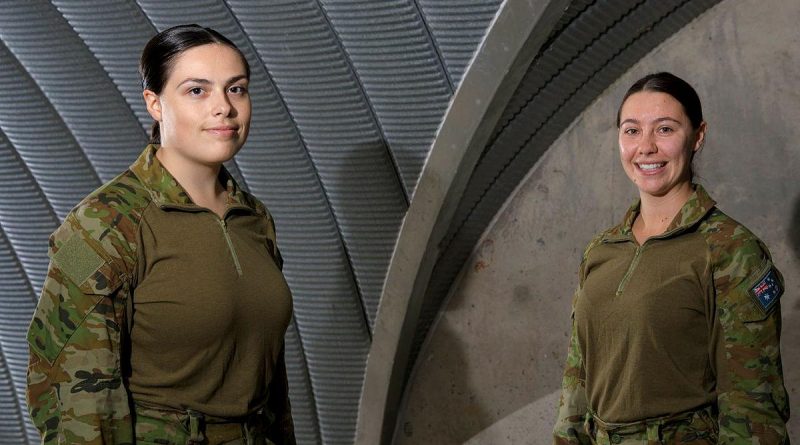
(572, 409)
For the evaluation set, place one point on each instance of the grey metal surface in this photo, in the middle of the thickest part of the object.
(347, 97)
(457, 27)
(85, 98)
(598, 45)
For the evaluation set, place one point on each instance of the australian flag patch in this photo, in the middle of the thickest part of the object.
(767, 290)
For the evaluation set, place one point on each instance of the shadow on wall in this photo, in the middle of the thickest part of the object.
(430, 422)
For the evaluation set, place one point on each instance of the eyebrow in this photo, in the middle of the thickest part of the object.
(208, 82)
(660, 119)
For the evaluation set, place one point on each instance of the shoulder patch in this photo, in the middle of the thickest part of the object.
(76, 259)
(767, 290)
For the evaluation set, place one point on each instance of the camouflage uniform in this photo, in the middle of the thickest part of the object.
(747, 402)
(78, 335)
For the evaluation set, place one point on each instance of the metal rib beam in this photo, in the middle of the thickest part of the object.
(510, 44)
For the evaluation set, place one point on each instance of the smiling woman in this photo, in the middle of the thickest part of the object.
(676, 320)
(163, 312)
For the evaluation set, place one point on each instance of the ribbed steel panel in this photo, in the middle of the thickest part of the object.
(25, 216)
(306, 426)
(26, 221)
(42, 140)
(591, 62)
(85, 98)
(11, 423)
(457, 27)
(586, 45)
(16, 307)
(115, 34)
(401, 72)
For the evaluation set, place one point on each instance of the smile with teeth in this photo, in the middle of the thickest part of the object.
(651, 166)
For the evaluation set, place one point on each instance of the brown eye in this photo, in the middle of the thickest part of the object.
(196, 91)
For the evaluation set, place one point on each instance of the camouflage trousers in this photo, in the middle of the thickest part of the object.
(697, 427)
(155, 426)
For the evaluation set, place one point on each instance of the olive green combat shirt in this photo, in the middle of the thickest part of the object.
(675, 324)
(210, 309)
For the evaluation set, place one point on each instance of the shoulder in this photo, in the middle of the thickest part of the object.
(117, 201)
(101, 230)
(734, 250)
(257, 205)
(745, 279)
(598, 239)
(587, 251)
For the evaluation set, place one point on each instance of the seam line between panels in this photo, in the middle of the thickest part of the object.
(49, 105)
(18, 401)
(385, 145)
(146, 17)
(370, 107)
(17, 404)
(436, 47)
(15, 152)
(17, 260)
(312, 399)
(558, 108)
(102, 67)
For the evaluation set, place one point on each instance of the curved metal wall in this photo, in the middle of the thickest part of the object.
(347, 97)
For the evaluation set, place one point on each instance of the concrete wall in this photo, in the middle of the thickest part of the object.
(491, 367)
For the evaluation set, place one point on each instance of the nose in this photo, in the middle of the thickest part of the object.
(222, 105)
(647, 145)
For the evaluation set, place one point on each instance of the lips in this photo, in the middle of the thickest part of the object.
(650, 168)
(223, 130)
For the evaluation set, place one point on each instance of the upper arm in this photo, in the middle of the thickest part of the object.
(751, 393)
(74, 384)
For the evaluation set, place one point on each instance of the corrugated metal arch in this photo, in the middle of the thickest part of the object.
(334, 151)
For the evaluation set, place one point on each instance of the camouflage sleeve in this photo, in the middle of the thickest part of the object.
(752, 400)
(75, 392)
(573, 405)
(281, 432)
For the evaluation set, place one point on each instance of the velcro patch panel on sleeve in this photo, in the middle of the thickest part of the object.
(77, 259)
(767, 290)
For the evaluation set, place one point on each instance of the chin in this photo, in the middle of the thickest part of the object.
(223, 153)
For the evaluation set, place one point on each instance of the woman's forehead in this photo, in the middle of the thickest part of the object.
(652, 105)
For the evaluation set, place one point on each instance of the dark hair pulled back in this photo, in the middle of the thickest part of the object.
(673, 85)
(158, 57)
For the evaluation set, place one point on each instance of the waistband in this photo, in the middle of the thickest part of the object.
(652, 427)
(206, 429)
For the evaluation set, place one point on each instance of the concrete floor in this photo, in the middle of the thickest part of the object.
(491, 367)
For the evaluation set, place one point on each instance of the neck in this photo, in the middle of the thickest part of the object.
(656, 212)
(199, 180)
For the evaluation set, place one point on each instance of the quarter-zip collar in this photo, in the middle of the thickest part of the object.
(696, 208)
(166, 191)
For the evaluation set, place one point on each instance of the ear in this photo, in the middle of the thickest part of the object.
(153, 104)
(701, 137)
